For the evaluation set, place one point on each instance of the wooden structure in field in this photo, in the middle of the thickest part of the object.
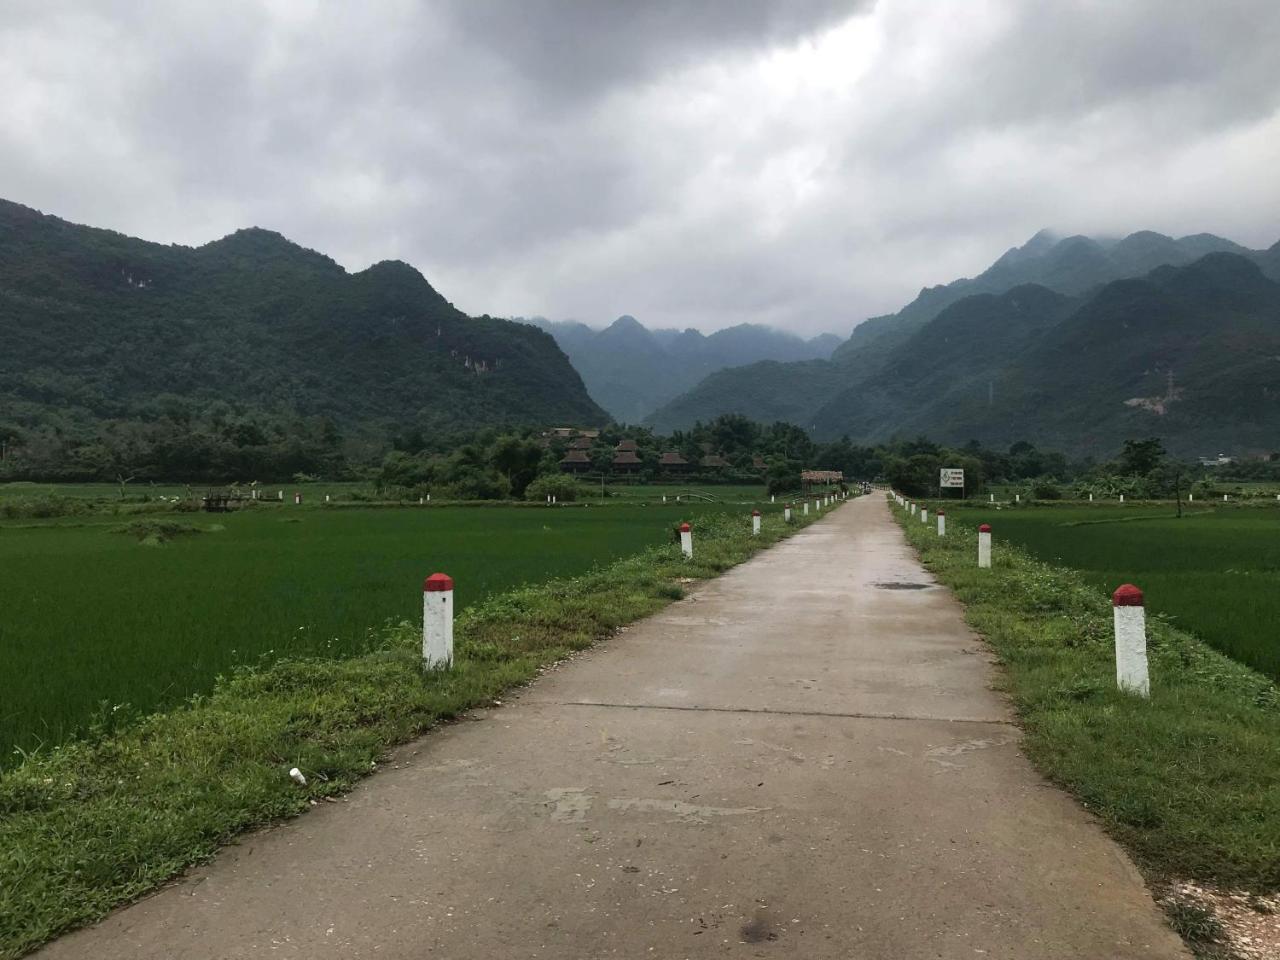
(821, 478)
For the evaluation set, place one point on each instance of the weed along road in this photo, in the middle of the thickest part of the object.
(804, 758)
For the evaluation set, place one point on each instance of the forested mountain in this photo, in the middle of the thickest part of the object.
(898, 373)
(631, 370)
(105, 336)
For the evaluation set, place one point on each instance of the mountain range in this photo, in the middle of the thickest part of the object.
(98, 327)
(631, 370)
(1074, 343)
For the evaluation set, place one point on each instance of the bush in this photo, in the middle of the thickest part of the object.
(564, 489)
(1045, 490)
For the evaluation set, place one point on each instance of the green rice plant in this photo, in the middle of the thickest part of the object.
(96, 625)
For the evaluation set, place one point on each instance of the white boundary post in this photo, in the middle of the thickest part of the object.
(984, 546)
(806, 508)
(924, 514)
(686, 541)
(1131, 640)
(755, 523)
(786, 513)
(942, 524)
(297, 499)
(437, 622)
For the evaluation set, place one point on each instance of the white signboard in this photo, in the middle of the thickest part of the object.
(952, 477)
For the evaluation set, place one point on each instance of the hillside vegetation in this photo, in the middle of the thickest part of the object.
(631, 370)
(1070, 343)
(105, 334)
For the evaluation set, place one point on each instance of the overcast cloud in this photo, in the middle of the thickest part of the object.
(804, 164)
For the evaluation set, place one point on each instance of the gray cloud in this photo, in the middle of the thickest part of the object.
(801, 164)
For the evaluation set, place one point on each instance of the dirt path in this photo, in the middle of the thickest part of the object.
(804, 759)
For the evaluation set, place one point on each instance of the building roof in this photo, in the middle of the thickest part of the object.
(821, 476)
(575, 456)
(580, 443)
(714, 460)
(672, 459)
(625, 458)
(627, 445)
(589, 434)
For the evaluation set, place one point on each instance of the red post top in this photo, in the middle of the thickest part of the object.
(1126, 595)
(941, 514)
(437, 582)
(684, 528)
(985, 528)
(755, 513)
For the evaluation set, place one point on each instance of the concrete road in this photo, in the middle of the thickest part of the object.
(803, 759)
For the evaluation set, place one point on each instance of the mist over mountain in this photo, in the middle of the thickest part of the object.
(100, 328)
(963, 360)
(631, 370)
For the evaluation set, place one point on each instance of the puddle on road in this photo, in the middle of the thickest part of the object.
(898, 585)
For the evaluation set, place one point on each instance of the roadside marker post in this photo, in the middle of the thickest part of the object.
(437, 622)
(297, 499)
(806, 508)
(984, 546)
(326, 498)
(1224, 498)
(1128, 607)
(924, 514)
(786, 513)
(1091, 498)
(1122, 498)
(686, 541)
(755, 523)
(942, 524)
(991, 498)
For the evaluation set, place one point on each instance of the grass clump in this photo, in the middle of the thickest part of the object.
(1186, 780)
(154, 533)
(98, 822)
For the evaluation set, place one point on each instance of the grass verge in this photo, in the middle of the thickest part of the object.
(96, 823)
(1185, 780)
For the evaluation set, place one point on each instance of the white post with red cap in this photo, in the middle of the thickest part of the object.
(942, 524)
(1131, 640)
(755, 523)
(806, 508)
(297, 499)
(786, 513)
(686, 541)
(924, 514)
(437, 622)
(984, 546)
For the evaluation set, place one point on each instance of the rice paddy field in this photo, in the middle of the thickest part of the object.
(107, 617)
(1215, 572)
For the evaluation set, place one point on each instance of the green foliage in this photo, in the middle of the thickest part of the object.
(1062, 344)
(564, 488)
(249, 357)
(90, 617)
(1215, 571)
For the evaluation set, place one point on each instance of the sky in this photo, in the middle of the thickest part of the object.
(805, 164)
